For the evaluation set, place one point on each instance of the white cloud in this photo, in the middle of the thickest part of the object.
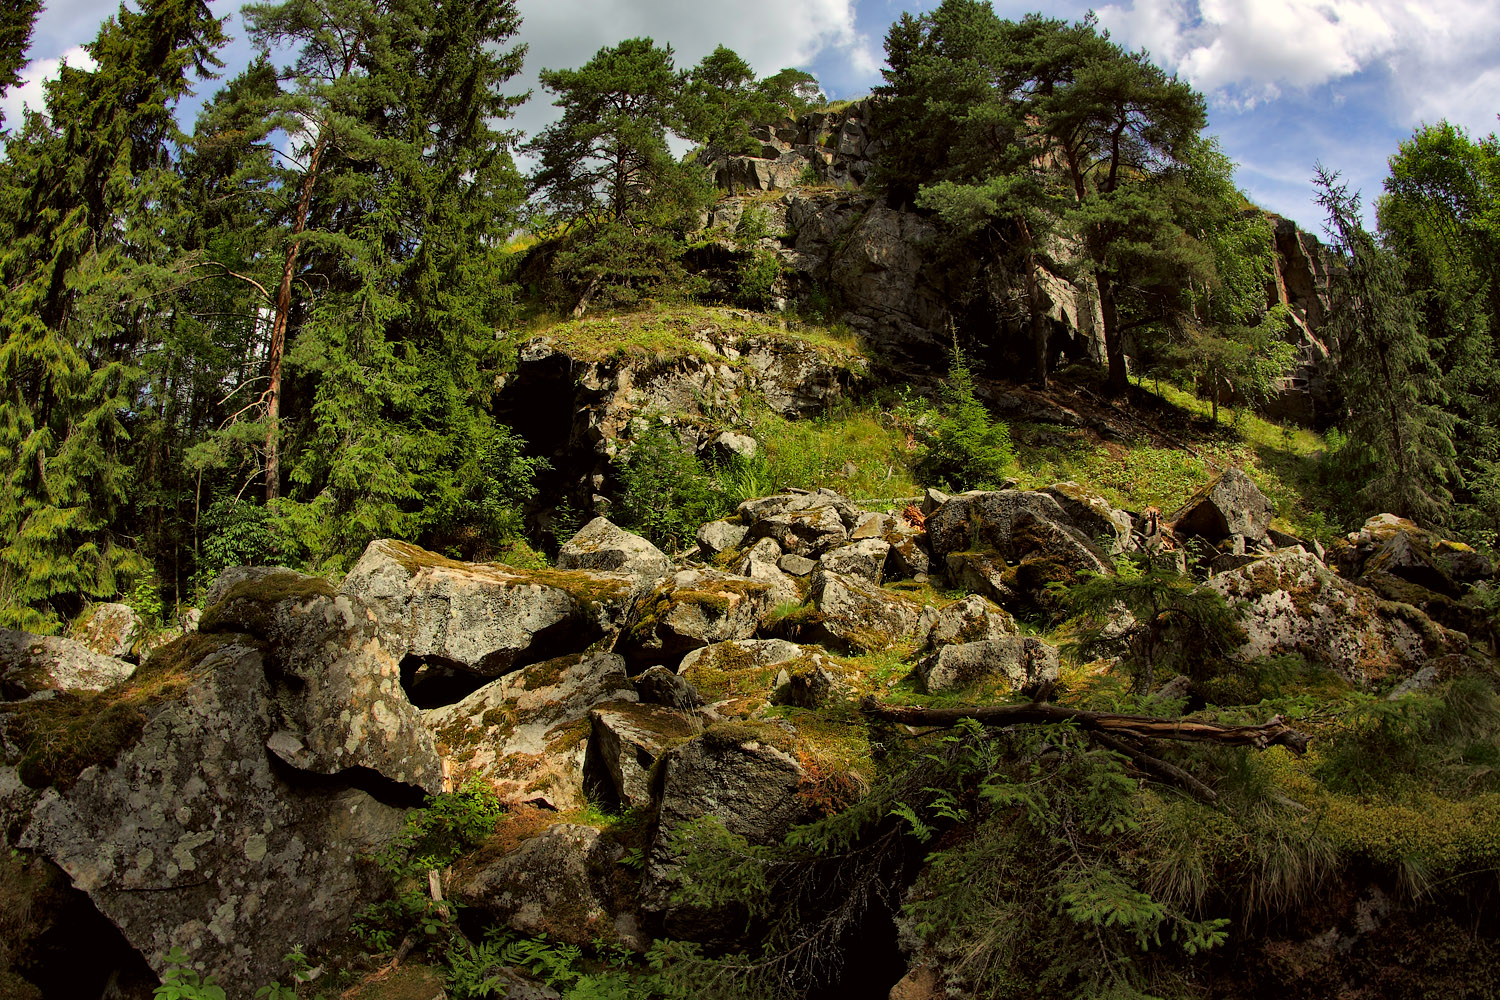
(29, 92)
(770, 35)
(1244, 52)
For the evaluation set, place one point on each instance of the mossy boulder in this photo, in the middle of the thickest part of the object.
(850, 615)
(806, 524)
(189, 836)
(600, 545)
(972, 619)
(483, 618)
(738, 677)
(113, 630)
(525, 735)
(559, 884)
(628, 739)
(693, 609)
(1012, 663)
(1231, 504)
(1293, 604)
(31, 664)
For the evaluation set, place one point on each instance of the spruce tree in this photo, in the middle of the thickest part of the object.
(1393, 397)
(16, 22)
(84, 281)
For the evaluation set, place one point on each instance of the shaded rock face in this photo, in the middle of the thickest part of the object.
(526, 734)
(481, 619)
(558, 884)
(1295, 604)
(599, 545)
(197, 838)
(628, 739)
(31, 664)
(1230, 505)
(742, 775)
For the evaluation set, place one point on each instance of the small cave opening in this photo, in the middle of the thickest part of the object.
(434, 682)
(60, 943)
(540, 404)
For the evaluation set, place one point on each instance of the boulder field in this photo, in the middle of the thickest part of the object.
(226, 795)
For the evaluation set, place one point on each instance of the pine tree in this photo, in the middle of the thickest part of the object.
(16, 23)
(611, 184)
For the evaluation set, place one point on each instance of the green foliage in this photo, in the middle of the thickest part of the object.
(182, 982)
(1396, 404)
(1174, 622)
(755, 279)
(666, 492)
(449, 825)
(967, 448)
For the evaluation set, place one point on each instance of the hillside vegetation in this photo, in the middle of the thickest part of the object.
(948, 543)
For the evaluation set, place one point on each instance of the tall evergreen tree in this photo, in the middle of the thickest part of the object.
(16, 23)
(1391, 388)
(610, 180)
(387, 287)
(83, 278)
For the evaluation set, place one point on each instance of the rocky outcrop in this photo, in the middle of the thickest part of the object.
(1293, 604)
(481, 619)
(32, 664)
(192, 836)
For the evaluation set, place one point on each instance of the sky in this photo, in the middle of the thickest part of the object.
(1289, 83)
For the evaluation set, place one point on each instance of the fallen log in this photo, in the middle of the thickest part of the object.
(1273, 733)
(1116, 732)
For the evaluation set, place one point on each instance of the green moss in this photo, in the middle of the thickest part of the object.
(250, 606)
(59, 737)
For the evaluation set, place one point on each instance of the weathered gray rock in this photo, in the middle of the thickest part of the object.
(987, 519)
(113, 630)
(694, 608)
(1016, 662)
(525, 735)
(340, 700)
(796, 565)
(744, 775)
(30, 664)
(984, 573)
(235, 575)
(806, 525)
(1230, 505)
(659, 685)
(627, 741)
(1295, 604)
(907, 555)
(972, 619)
(741, 652)
(1094, 516)
(812, 682)
(191, 839)
(486, 619)
(739, 678)
(864, 559)
(854, 615)
(730, 445)
(599, 545)
(558, 884)
(720, 536)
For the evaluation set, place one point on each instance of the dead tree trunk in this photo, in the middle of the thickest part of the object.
(1120, 733)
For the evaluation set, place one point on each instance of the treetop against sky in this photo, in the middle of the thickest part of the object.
(1289, 82)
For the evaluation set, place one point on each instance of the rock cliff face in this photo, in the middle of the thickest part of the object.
(880, 267)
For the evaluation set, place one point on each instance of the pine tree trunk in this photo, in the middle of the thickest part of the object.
(1114, 344)
(279, 325)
